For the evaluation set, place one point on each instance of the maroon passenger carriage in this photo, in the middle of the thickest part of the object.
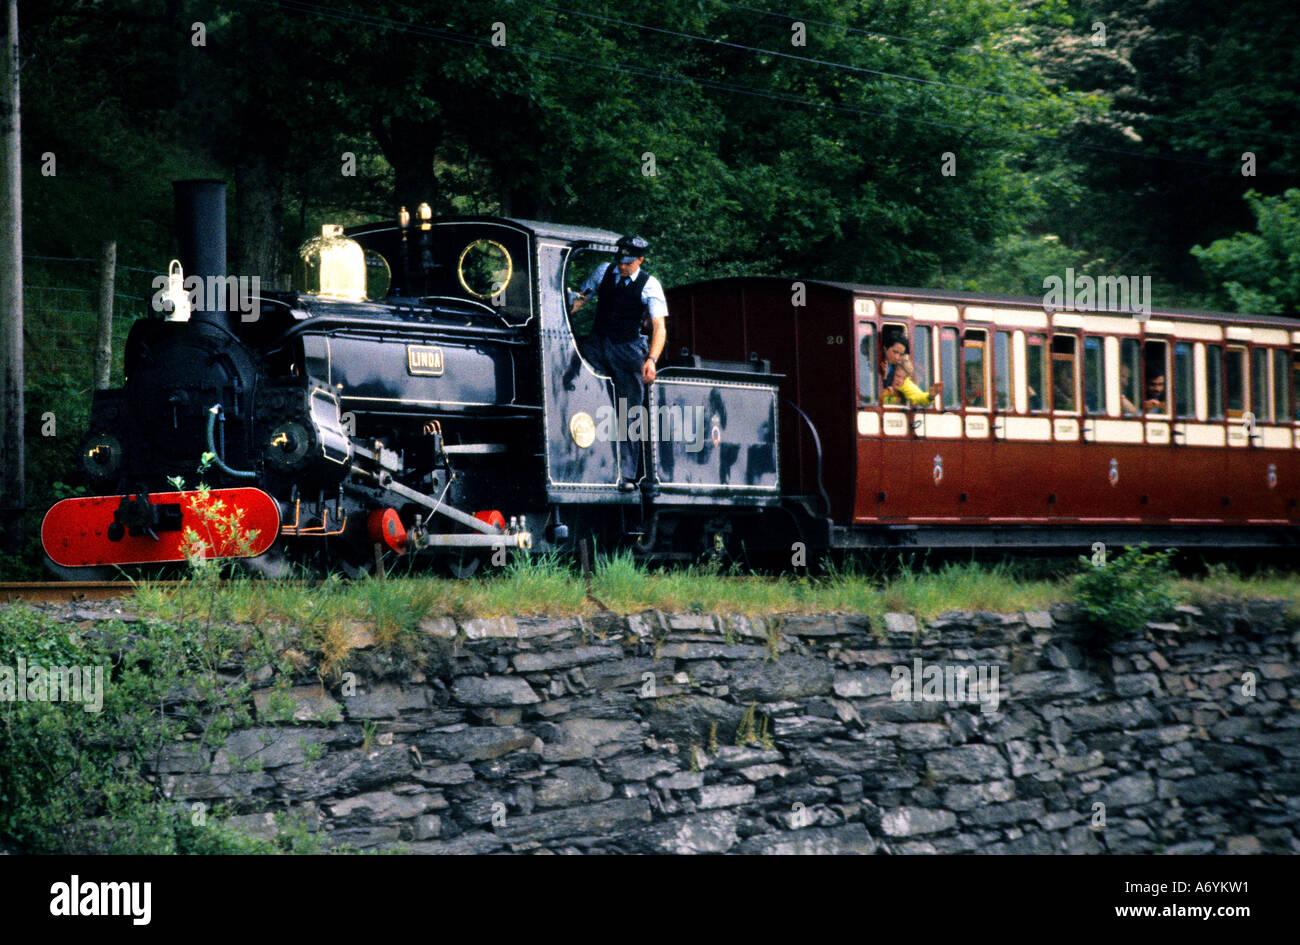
(1041, 436)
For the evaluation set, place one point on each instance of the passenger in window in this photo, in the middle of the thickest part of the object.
(1035, 401)
(1127, 407)
(1063, 386)
(1155, 399)
(896, 377)
(974, 384)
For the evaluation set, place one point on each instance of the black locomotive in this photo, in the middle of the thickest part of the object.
(426, 393)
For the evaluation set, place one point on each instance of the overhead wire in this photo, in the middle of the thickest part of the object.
(896, 76)
(970, 50)
(388, 23)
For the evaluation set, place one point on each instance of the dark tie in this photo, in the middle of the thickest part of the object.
(622, 282)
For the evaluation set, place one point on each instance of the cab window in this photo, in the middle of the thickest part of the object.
(583, 263)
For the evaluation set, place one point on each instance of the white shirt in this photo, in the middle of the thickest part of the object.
(652, 293)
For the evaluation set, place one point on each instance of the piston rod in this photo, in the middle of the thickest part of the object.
(442, 508)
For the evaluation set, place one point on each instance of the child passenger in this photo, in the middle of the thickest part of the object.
(896, 377)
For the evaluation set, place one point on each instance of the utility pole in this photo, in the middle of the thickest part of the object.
(13, 492)
(104, 332)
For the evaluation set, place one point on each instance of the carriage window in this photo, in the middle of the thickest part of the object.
(948, 362)
(1234, 381)
(1002, 369)
(1155, 390)
(890, 334)
(1259, 385)
(921, 355)
(1094, 375)
(1214, 381)
(974, 357)
(1130, 376)
(1035, 371)
(1184, 381)
(1064, 370)
(866, 364)
(1295, 387)
(1280, 388)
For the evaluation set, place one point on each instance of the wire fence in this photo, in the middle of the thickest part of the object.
(61, 316)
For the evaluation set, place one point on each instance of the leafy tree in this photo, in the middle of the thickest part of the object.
(1260, 272)
(1199, 95)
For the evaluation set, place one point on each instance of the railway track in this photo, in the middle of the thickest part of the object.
(66, 592)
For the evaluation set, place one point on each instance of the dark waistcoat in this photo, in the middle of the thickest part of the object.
(618, 309)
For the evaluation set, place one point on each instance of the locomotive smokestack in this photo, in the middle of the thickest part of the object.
(201, 235)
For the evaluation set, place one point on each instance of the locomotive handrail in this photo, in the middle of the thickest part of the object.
(318, 322)
(817, 443)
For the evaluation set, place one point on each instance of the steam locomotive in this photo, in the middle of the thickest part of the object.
(422, 392)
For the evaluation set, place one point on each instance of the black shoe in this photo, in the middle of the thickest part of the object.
(626, 485)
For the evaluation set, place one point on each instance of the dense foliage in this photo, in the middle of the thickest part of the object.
(73, 774)
(1119, 596)
(1261, 271)
(881, 140)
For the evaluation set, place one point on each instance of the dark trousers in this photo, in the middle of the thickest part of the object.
(622, 361)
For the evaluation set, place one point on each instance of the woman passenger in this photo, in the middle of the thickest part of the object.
(896, 377)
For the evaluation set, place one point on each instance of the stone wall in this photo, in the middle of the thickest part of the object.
(699, 734)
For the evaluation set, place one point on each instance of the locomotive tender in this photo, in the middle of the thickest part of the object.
(425, 392)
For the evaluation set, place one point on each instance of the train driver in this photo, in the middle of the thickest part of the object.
(625, 294)
(896, 378)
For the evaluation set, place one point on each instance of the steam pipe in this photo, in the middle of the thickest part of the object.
(213, 412)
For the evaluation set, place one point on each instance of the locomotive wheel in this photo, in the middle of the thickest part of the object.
(716, 546)
(356, 572)
(464, 564)
(274, 565)
(102, 572)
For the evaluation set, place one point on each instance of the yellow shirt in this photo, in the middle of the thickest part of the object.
(914, 395)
